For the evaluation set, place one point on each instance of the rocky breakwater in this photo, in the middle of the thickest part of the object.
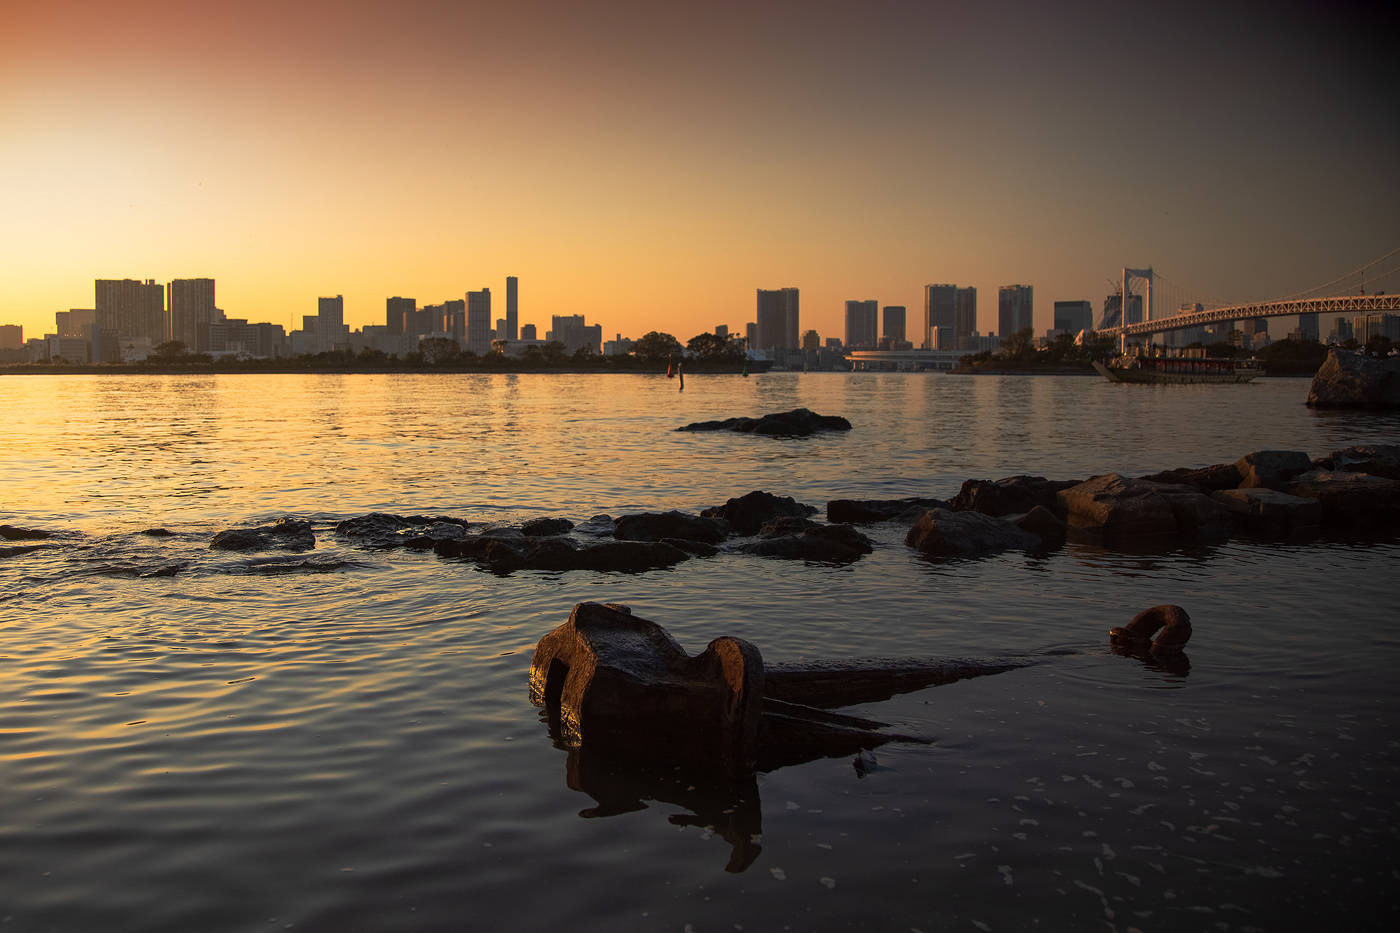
(655, 540)
(1354, 379)
(800, 422)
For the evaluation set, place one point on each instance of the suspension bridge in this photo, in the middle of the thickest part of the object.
(1140, 308)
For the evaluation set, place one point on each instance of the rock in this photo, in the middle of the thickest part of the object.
(19, 549)
(1211, 478)
(693, 548)
(1270, 509)
(1014, 495)
(11, 533)
(609, 679)
(1173, 621)
(383, 530)
(599, 526)
(864, 511)
(1349, 499)
(286, 534)
(748, 512)
(821, 544)
(545, 527)
(1045, 525)
(158, 533)
(653, 526)
(946, 533)
(1118, 508)
(830, 544)
(1199, 516)
(1376, 459)
(786, 525)
(800, 422)
(1271, 469)
(619, 681)
(506, 554)
(1352, 379)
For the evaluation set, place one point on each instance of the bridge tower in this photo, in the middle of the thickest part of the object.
(1145, 276)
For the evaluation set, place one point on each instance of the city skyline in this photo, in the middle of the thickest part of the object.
(649, 168)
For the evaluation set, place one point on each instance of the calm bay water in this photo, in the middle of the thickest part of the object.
(342, 740)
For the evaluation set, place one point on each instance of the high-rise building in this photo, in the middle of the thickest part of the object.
(1015, 309)
(192, 310)
(811, 340)
(479, 334)
(778, 319)
(575, 334)
(512, 331)
(527, 333)
(1309, 326)
(965, 318)
(133, 308)
(893, 323)
(396, 310)
(940, 316)
(332, 334)
(862, 324)
(722, 331)
(12, 336)
(1071, 317)
(1375, 323)
(76, 322)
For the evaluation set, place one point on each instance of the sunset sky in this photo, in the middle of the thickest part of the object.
(650, 165)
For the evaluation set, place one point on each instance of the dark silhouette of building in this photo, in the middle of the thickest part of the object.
(965, 318)
(133, 308)
(940, 316)
(192, 310)
(512, 308)
(778, 319)
(862, 324)
(1015, 309)
(894, 323)
(1071, 317)
(396, 311)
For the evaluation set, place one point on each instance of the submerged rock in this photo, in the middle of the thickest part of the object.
(1208, 479)
(1376, 459)
(286, 534)
(1349, 499)
(867, 511)
(383, 530)
(653, 526)
(1353, 379)
(1118, 508)
(945, 533)
(11, 533)
(545, 527)
(1269, 509)
(1014, 495)
(502, 554)
(1271, 469)
(831, 544)
(746, 514)
(800, 422)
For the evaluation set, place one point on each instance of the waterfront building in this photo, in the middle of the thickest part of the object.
(332, 333)
(862, 324)
(572, 331)
(1015, 309)
(396, 311)
(133, 308)
(751, 335)
(1071, 317)
(722, 331)
(192, 310)
(940, 316)
(965, 317)
(894, 323)
(512, 331)
(479, 334)
(76, 322)
(104, 345)
(778, 319)
(619, 347)
(811, 340)
(12, 336)
(527, 333)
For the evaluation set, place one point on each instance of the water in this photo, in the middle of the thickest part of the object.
(342, 740)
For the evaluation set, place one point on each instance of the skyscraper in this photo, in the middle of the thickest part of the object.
(394, 311)
(192, 310)
(940, 316)
(512, 308)
(894, 323)
(965, 319)
(862, 324)
(479, 332)
(1071, 317)
(1015, 309)
(331, 332)
(777, 319)
(133, 308)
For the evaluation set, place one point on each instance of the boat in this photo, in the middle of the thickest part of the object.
(1177, 369)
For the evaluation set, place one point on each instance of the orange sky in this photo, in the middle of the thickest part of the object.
(651, 167)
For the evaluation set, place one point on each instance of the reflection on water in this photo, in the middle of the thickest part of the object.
(341, 739)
